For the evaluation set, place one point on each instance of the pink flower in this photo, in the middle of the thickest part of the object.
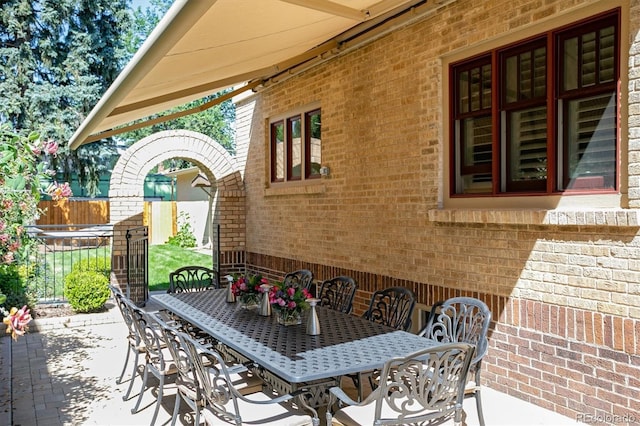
(17, 321)
(291, 305)
(58, 192)
(4, 238)
(3, 226)
(51, 147)
(37, 150)
(291, 291)
(8, 257)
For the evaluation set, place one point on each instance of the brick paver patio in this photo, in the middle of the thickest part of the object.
(63, 372)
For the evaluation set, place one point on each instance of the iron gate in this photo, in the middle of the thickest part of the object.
(138, 265)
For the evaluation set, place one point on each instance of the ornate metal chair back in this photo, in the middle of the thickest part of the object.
(192, 278)
(213, 378)
(302, 278)
(337, 293)
(186, 382)
(393, 307)
(127, 314)
(151, 336)
(460, 319)
(424, 386)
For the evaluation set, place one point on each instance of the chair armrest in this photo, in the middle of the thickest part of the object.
(342, 396)
(237, 368)
(276, 400)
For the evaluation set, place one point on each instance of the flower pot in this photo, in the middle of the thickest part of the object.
(289, 317)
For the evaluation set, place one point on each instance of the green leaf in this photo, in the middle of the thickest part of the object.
(17, 183)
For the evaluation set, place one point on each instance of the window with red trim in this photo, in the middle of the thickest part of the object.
(296, 147)
(539, 116)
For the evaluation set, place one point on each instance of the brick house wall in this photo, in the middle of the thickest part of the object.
(563, 284)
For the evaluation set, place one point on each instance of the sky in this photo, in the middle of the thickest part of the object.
(141, 3)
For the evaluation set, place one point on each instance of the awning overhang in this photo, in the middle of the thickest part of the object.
(202, 47)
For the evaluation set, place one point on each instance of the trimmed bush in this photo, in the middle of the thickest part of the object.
(86, 291)
(97, 264)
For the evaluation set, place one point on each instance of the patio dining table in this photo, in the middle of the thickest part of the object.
(286, 357)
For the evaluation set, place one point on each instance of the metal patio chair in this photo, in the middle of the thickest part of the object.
(192, 278)
(188, 389)
(302, 278)
(392, 307)
(422, 388)
(463, 319)
(158, 359)
(225, 404)
(134, 341)
(337, 293)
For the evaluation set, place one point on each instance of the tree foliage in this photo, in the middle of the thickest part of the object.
(56, 60)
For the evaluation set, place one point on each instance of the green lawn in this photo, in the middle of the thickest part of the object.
(166, 258)
(162, 260)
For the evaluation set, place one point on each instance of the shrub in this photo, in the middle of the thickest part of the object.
(184, 238)
(86, 291)
(97, 264)
(13, 280)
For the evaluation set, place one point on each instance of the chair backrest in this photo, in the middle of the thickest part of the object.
(192, 278)
(212, 377)
(127, 314)
(460, 319)
(180, 354)
(337, 293)
(302, 278)
(393, 307)
(151, 336)
(423, 386)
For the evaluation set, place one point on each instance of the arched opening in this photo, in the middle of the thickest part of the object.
(126, 192)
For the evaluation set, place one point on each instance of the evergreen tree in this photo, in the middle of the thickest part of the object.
(56, 60)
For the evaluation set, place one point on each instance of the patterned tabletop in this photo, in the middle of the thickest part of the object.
(348, 344)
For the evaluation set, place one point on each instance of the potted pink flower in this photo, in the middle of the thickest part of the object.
(248, 289)
(289, 301)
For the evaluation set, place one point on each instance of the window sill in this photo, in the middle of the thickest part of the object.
(295, 189)
(582, 217)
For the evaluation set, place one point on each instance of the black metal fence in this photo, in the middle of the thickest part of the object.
(57, 249)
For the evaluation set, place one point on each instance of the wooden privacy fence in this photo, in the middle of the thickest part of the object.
(71, 212)
(159, 216)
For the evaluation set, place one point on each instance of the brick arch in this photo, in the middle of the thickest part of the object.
(126, 191)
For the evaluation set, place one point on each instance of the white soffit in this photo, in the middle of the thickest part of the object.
(203, 46)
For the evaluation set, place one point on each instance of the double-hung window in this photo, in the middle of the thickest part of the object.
(296, 142)
(540, 116)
